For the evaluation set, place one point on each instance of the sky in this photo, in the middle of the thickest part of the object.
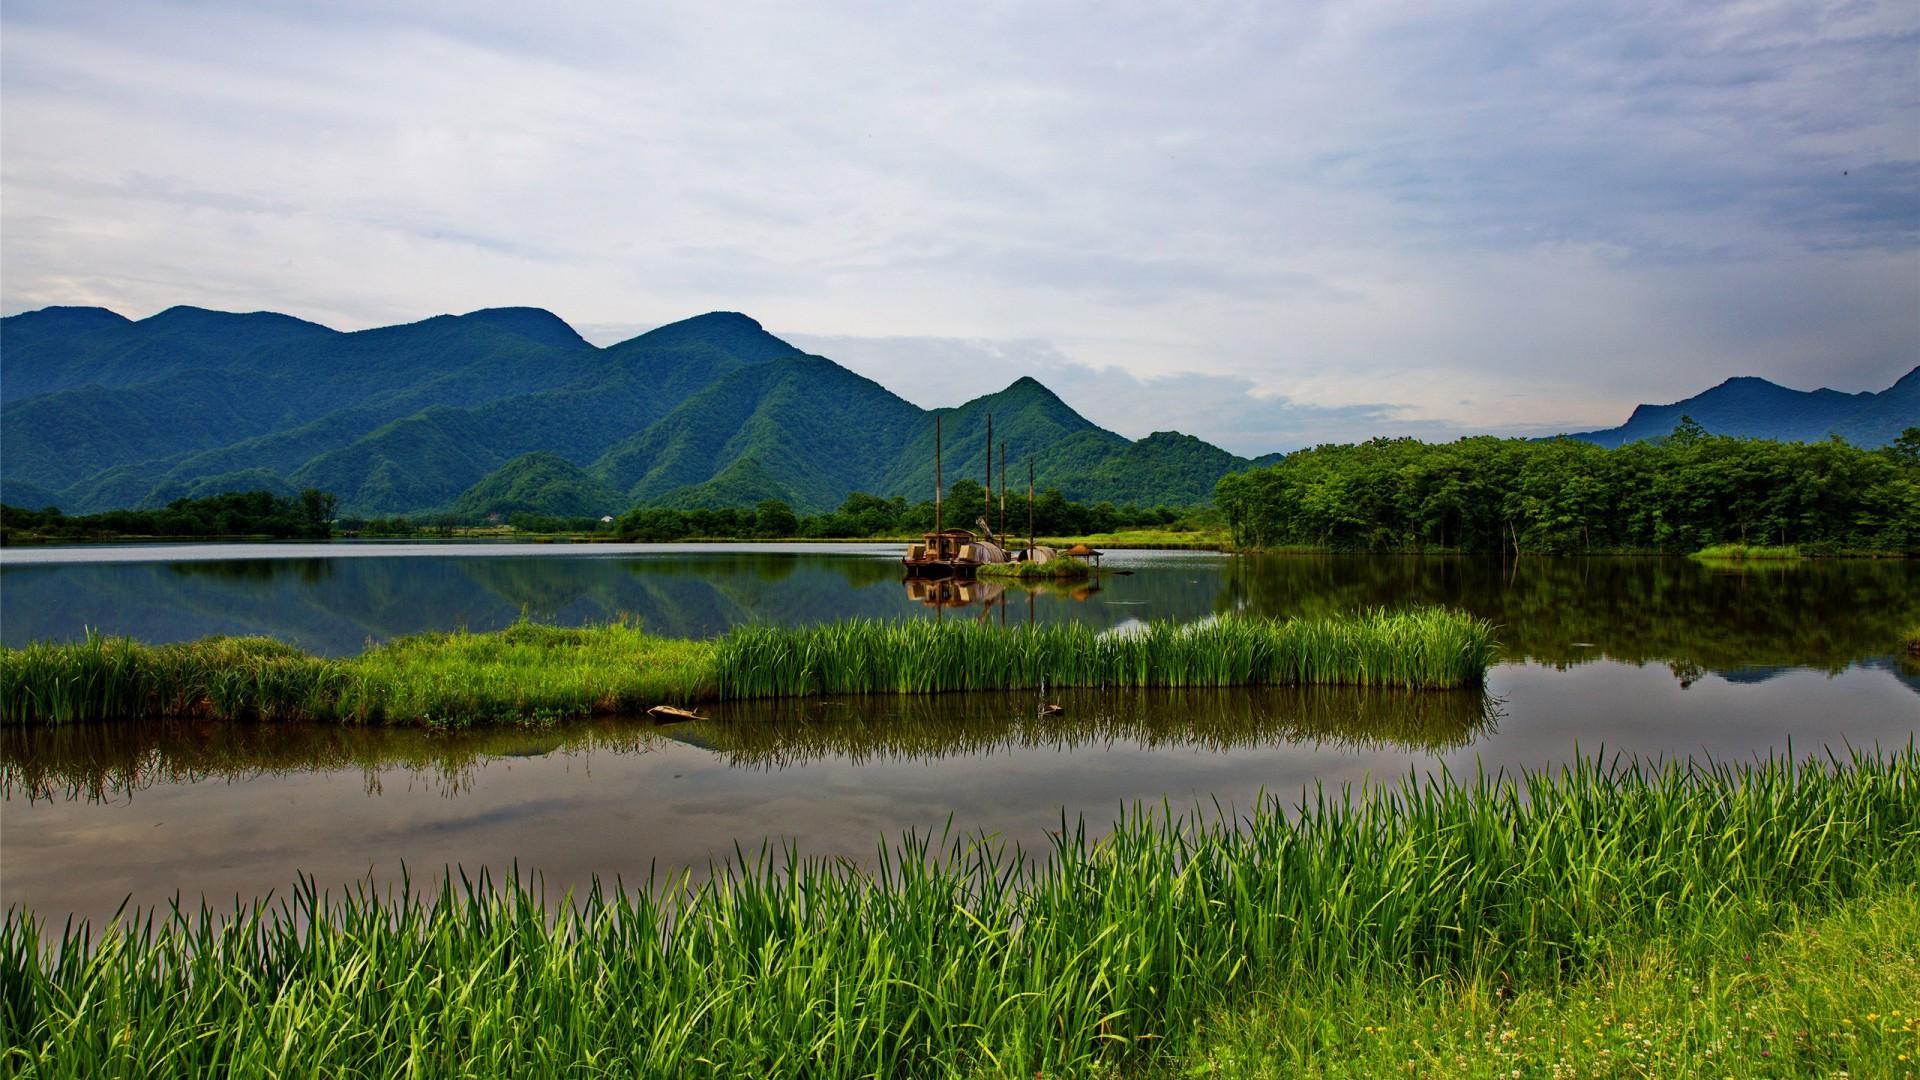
(1268, 224)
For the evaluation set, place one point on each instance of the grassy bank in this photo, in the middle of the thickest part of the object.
(1747, 553)
(1825, 994)
(531, 673)
(1163, 946)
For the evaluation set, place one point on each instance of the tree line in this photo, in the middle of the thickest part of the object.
(862, 515)
(1562, 496)
(306, 516)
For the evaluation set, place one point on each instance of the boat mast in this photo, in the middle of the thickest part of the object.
(1029, 508)
(936, 478)
(1003, 492)
(989, 514)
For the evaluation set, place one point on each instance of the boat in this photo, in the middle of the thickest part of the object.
(957, 553)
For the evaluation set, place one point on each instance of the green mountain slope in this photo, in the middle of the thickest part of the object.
(508, 409)
(539, 483)
(813, 430)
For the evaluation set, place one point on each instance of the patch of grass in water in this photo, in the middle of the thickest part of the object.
(1062, 567)
(1746, 553)
(538, 674)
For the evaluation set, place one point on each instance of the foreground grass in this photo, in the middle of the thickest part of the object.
(1824, 994)
(1443, 906)
(1746, 553)
(536, 674)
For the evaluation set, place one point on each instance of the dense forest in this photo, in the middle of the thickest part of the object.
(1674, 495)
(249, 513)
(863, 515)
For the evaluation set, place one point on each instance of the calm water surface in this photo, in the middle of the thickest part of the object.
(1646, 657)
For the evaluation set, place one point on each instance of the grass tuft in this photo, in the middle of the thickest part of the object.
(1064, 567)
(1746, 553)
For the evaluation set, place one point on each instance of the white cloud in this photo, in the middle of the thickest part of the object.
(1272, 222)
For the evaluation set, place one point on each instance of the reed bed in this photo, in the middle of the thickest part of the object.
(538, 674)
(1424, 649)
(1060, 569)
(1747, 553)
(961, 956)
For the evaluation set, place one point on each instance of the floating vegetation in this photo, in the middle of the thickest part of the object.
(1747, 553)
(540, 674)
(962, 956)
(1062, 568)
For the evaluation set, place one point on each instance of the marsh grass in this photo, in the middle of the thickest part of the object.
(538, 674)
(1423, 649)
(1062, 568)
(1746, 553)
(962, 955)
(526, 674)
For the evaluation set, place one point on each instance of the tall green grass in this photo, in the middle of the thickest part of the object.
(531, 673)
(963, 956)
(1423, 649)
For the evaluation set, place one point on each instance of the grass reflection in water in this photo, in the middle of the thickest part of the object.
(103, 762)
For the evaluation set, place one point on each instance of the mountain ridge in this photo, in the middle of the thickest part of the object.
(1749, 406)
(510, 405)
(505, 404)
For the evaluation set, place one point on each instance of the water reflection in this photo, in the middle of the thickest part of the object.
(991, 596)
(1823, 614)
(1562, 612)
(109, 762)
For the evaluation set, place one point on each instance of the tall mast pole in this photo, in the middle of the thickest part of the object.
(1029, 509)
(1003, 491)
(936, 482)
(988, 516)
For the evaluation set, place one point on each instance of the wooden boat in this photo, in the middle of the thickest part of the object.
(956, 553)
(951, 553)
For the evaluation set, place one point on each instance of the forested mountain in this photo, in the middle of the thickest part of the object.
(506, 410)
(1751, 407)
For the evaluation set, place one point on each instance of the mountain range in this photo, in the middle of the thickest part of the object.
(509, 409)
(1751, 407)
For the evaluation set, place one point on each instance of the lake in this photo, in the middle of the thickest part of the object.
(1654, 658)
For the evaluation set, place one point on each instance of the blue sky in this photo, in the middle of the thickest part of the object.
(1266, 224)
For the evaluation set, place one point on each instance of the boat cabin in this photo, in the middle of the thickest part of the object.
(950, 553)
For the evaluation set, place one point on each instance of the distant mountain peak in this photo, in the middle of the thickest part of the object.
(199, 318)
(722, 318)
(727, 331)
(69, 311)
(535, 324)
(1749, 406)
